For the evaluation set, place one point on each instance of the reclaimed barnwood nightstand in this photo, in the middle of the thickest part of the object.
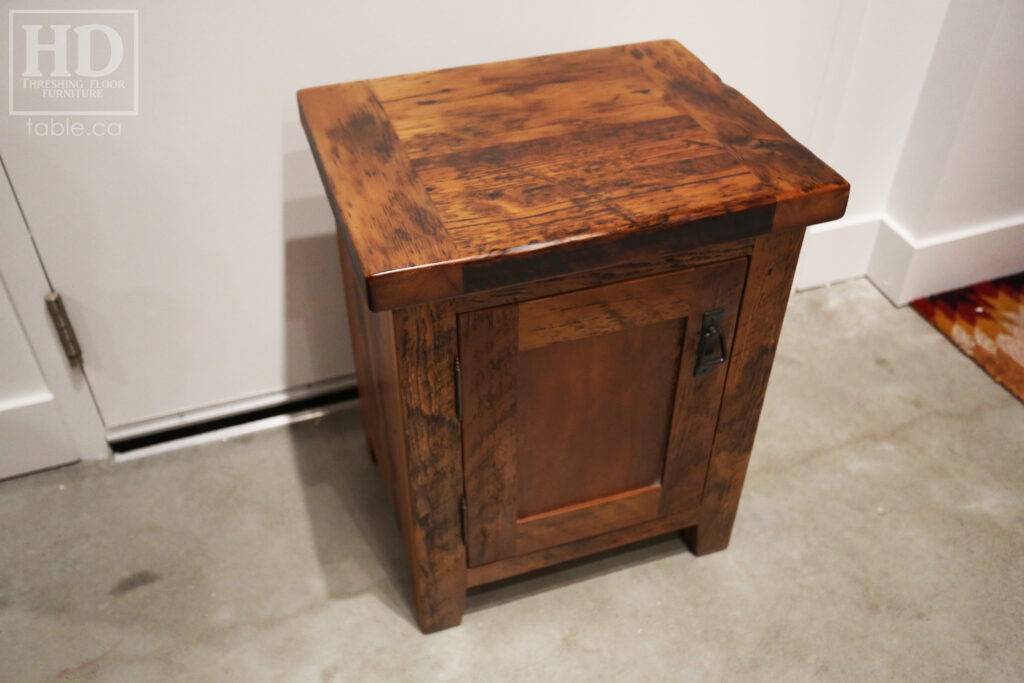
(565, 278)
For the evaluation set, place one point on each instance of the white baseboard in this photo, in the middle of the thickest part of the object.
(199, 415)
(836, 251)
(905, 268)
(232, 432)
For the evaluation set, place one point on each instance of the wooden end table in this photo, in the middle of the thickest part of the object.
(565, 279)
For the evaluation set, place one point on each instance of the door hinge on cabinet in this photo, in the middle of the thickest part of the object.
(458, 388)
(463, 522)
(65, 332)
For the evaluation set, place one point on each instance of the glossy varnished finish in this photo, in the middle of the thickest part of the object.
(529, 249)
(464, 180)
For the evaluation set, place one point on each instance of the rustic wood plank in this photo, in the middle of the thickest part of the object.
(698, 399)
(487, 349)
(552, 104)
(381, 205)
(653, 264)
(614, 249)
(368, 348)
(593, 415)
(769, 279)
(598, 180)
(496, 571)
(807, 190)
(604, 310)
(595, 179)
(587, 519)
(464, 180)
(505, 76)
(425, 341)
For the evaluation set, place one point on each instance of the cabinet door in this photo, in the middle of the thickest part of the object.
(582, 412)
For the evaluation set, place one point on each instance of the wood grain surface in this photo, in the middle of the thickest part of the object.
(805, 190)
(581, 433)
(487, 347)
(588, 519)
(380, 204)
(469, 179)
(769, 279)
(582, 413)
(656, 263)
(560, 225)
(496, 571)
(431, 470)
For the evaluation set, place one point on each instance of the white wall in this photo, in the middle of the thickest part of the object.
(196, 255)
(955, 213)
(879, 90)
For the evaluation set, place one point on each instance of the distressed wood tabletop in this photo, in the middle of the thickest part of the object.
(469, 179)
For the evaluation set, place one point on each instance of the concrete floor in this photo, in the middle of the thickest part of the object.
(881, 537)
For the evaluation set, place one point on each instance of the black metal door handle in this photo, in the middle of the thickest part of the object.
(711, 347)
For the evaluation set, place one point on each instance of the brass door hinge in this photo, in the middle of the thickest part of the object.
(65, 332)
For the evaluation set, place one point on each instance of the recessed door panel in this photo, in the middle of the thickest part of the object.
(577, 415)
(582, 412)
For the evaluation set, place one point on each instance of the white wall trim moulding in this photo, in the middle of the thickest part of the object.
(234, 431)
(836, 251)
(905, 268)
(229, 409)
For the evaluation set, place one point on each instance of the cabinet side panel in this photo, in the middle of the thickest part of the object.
(370, 348)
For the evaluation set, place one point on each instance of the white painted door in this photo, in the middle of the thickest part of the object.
(33, 435)
(47, 417)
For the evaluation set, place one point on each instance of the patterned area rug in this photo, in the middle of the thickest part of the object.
(986, 321)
